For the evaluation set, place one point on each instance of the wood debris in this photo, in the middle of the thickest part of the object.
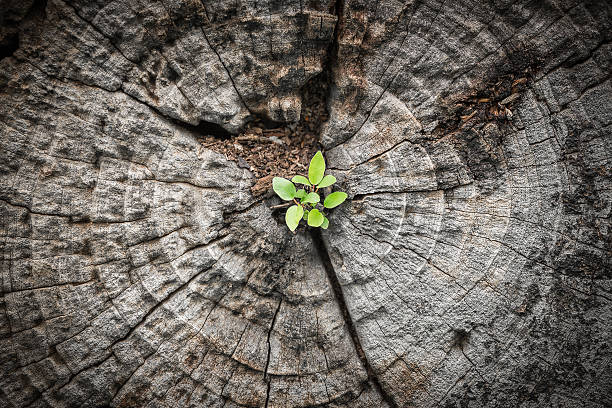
(282, 151)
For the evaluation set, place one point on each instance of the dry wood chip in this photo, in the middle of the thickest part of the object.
(510, 99)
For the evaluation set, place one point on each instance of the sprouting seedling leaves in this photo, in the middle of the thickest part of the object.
(311, 198)
(326, 181)
(300, 180)
(325, 223)
(316, 170)
(315, 218)
(334, 199)
(306, 203)
(294, 216)
(301, 193)
(284, 188)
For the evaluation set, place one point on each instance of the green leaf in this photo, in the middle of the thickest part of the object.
(334, 199)
(326, 181)
(311, 198)
(315, 218)
(284, 188)
(305, 215)
(316, 168)
(293, 216)
(325, 223)
(301, 193)
(300, 180)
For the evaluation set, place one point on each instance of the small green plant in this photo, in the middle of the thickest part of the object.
(307, 201)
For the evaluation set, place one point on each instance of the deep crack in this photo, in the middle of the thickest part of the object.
(319, 244)
(9, 46)
(266, 376)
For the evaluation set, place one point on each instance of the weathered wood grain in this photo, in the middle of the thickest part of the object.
(470, 267)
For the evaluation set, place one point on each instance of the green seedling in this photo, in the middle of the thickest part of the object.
(307, 204)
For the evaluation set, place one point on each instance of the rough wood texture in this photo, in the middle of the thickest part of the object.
(471, 267)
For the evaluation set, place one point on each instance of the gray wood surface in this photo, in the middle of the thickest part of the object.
(470, 267)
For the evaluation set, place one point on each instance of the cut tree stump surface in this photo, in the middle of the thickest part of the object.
(142, 266)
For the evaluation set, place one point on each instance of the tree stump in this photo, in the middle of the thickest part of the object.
(141, 262)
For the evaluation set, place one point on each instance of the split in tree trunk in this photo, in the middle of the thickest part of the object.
(145, 262)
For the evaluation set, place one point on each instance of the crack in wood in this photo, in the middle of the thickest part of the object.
(319, 244)
(266, 376)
